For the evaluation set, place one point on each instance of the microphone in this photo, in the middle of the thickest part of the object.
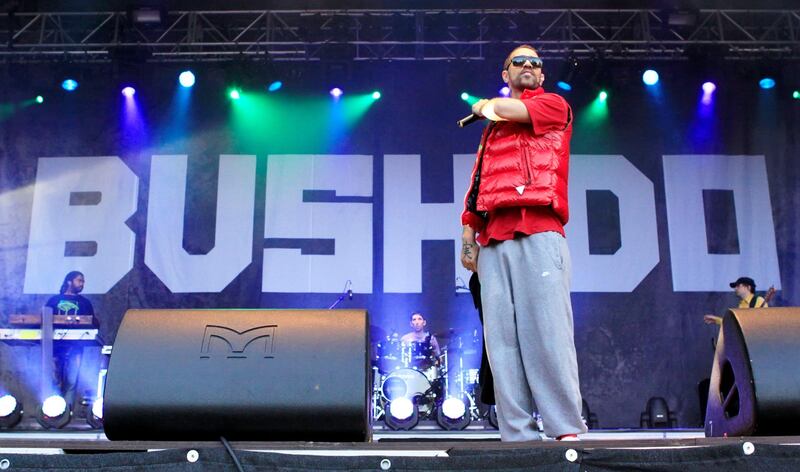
(350, 294)
(471, 118)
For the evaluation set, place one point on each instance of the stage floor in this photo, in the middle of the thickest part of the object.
(384, 443)
(472, 450)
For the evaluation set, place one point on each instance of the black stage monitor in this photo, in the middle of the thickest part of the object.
(243, 374)
(755, 386)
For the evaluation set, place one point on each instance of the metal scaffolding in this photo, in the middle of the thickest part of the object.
(399, 35)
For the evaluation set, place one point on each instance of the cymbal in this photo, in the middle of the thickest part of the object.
(458, 332)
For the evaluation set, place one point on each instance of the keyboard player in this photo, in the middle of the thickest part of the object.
(68, 357)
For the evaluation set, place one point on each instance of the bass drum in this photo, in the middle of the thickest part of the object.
(408, 383)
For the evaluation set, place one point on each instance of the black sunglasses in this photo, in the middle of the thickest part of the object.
(519, 61)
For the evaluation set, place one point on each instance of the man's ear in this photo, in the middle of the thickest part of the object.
(505, 75)
(541, 81)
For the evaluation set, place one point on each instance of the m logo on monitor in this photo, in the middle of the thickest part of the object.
(254, 342)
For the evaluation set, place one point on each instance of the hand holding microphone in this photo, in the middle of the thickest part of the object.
(481, 109)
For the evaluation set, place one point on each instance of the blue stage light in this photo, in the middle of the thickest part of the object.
(186, 79)
(129, 92)
(650, 77)
(336, 92)
(709, 88)
(69, 85)
(563, 85)
(275, 86)
(766, 83)
(505, 91)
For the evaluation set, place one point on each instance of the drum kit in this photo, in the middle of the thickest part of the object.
(412, 370)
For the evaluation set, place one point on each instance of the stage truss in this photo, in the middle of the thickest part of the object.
(398, 35)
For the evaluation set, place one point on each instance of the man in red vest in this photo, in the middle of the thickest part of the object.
(517, 206)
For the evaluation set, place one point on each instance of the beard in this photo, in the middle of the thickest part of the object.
(526, 81)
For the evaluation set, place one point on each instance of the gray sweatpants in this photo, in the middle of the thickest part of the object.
(528, 330)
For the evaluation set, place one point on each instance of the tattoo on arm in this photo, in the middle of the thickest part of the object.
(468, 249)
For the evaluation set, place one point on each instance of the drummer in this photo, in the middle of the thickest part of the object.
(418, 334)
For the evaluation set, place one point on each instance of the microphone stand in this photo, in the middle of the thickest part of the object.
(347, 292)
(461, 286)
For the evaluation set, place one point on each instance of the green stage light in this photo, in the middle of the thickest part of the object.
(39, 99)
(603, 96)
(376, 95)
(796, 94)
(464, 96)
(234, 94)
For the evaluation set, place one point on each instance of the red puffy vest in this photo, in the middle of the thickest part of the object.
(522, 164)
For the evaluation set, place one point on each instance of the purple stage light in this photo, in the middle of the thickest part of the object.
(129, 92)
(709, 87)
(336, 92)
(505, 91)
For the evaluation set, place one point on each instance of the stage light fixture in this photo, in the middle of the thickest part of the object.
(453, 415)
(708, 93)
(186, 79)
(39, 99)
(275, 86)
(234, 94)
(766, 83)
(10, 411)
(657, 414)
(54, 412)
(464, 96)
(453, 408)
(566, 76)
(505, 91)
(69, 85)
(796, 94)
(94, 416)
(401, 414)
(336, 92)
(129, 91)
(376, 95)
(650, 77)
(54, 405)
(146, 15)
(401, 408)
(603, 95)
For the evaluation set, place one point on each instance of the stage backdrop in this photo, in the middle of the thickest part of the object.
(185, 198)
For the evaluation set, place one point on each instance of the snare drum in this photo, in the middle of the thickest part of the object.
(408, 383)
